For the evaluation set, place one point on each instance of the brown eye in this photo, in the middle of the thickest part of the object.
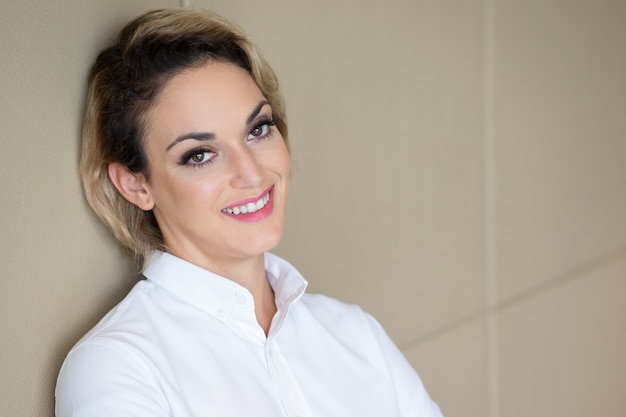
(261, 130)
(257, 131)
(198, 157)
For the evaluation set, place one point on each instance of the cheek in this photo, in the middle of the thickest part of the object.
(183, 194)
(286, 165)
(199, 191)
(283, 160)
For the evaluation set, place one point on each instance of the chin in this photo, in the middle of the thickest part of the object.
(268, 241)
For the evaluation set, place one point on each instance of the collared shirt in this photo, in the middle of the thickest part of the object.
(185, 343)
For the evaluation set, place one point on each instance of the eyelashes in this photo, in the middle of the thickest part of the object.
(262, 129)
(204, 155)
(197, 157)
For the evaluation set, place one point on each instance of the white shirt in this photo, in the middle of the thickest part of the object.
(185, 342)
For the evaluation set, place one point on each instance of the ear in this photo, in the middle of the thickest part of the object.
(131, 185)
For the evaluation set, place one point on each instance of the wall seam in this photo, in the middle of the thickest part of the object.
(579, 272)
(490, 211)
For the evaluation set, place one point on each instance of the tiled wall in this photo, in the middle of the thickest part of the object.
(459, 171)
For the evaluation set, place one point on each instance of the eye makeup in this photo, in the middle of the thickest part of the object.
(189, 158)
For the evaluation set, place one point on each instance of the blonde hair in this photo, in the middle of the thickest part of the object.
(124, 82)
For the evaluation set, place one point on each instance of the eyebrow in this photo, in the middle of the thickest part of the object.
(209, 135)
(256, 111)
(196, 136)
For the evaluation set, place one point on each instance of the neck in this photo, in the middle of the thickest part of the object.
(250, 274)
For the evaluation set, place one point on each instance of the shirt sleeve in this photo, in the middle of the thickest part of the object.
(98, 380)
(413, 400)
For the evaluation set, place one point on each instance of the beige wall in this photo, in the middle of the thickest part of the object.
(459, 171)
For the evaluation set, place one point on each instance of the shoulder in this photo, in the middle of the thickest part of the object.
(112, 341)
(341, 318)
(325, 306)
(104, 379)
(366, 338)
(108, 341)
(119, 317)
(109, 360)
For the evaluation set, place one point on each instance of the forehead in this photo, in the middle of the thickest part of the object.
(208, 96)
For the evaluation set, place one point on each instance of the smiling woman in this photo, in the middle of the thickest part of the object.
(218, 194)
(185, 158)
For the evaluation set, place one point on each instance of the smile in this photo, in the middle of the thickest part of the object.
(250, 207)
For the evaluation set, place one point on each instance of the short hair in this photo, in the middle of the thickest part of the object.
(125, 81)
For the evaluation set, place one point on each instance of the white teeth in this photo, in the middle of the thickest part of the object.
(250, 207)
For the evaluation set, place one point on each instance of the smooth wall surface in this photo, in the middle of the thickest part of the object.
(459, 171)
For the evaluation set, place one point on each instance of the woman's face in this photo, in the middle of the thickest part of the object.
(218, 166)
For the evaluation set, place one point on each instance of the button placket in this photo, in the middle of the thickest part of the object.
(291, 395)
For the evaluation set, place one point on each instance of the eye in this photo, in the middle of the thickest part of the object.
(261, 130)
(197, 157)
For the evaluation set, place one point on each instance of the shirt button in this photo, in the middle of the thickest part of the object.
(220, 314)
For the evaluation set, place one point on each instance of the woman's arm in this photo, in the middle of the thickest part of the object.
(413, 400)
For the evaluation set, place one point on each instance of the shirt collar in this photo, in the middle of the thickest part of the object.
(219, 296)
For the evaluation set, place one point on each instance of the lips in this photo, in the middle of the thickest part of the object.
(251, 205)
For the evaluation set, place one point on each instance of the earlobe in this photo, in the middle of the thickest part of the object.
(131, 185)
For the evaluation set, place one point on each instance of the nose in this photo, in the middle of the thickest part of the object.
(246, 172)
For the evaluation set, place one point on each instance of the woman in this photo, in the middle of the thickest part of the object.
(185, 158)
